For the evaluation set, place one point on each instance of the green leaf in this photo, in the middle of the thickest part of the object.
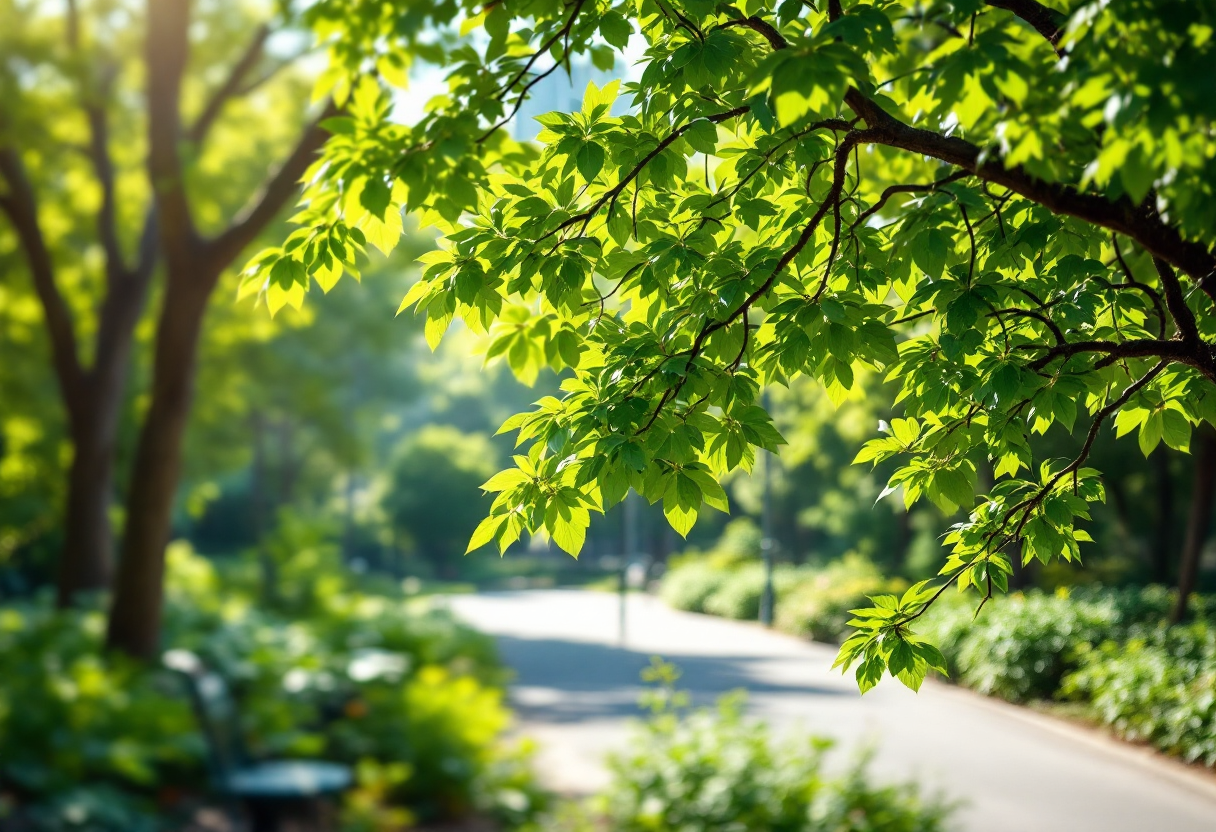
(375, 197)
(1150, 432)
(485, 532)
(1175, 430)
(702, 136)
(590, 160)
(929, 251)
(615, 29)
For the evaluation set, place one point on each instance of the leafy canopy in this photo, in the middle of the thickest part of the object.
(1000, 205)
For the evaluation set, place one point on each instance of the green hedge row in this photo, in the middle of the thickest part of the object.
(1109, 650)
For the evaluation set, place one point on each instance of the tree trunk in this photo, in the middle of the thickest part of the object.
(87, 557)
(1200, 517)
(259, 503)
(85, 561)
(1165, 516)
(135, 614)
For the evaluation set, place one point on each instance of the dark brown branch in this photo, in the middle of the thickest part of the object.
(543, 49)
(1171, 350)
(756, 24)
(905, 189)
(833, 196)
(1047, 22)
(1027, 506)
(103, 169)
(231, 87)
(832, 199)
(1121, 215)
(20, 205)
(1061, 341)
(282, 186)
(1175, 302)
(166, 52)
(519, 102)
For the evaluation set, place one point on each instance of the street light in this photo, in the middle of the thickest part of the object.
(766, 533)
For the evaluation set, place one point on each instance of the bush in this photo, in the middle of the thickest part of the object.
(76, 729)
(738, 596)
(695, 577)
(690, 584)
(713, 769)
(818, 605)
(1159, 689)
(405, 693)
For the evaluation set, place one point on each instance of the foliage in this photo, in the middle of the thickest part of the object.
(1159, 688)
(69, 717)
(739, 596)
(402, 691)
(726, 233)
(695, 769)
(819, 605)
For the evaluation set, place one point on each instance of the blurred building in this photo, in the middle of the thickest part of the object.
(562, 91)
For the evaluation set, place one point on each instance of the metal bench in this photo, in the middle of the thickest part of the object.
(269, 789)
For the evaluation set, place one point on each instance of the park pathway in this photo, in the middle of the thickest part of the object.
(1016, 771)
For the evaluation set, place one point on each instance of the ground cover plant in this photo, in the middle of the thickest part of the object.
(713, 768)
(404, 693)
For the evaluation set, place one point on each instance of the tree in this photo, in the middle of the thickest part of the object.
(1004, 205)
(74, 155)
(430, 496)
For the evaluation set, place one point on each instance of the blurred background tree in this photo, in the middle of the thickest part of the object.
(433, 501)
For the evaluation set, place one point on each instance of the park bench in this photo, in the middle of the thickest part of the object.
(270, 790)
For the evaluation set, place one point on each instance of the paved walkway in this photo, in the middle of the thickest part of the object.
(1016, 771)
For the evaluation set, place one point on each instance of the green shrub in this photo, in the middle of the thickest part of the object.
(818, 605)
(738, 596)
(714, 769)
(688, 585)
(402, 691)
(1022, 647)
(1159, 689)
(68, 717)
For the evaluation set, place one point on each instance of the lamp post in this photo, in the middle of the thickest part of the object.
(766, 534)
(631, 552)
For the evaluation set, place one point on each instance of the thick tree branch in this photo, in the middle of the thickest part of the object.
(1121, 215)
(166, 50)
(1198, 356)
(1145, 227)
(769, 31)
(275, 193)
(232, 85)
(1175, 302)
(1047, 22)
(20, 205)
(103, 169)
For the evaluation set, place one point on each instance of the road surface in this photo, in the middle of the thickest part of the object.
(1015, 771)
